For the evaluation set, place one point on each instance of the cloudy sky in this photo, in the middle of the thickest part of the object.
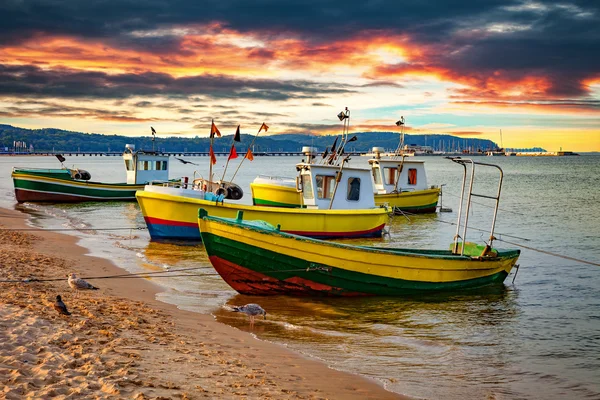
(463, 67)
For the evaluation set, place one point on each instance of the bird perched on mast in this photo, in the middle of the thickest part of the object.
(251, 310)
(79, 284)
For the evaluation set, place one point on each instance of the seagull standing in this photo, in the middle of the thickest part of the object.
(79, 284)
(60, 306)
(251, 310)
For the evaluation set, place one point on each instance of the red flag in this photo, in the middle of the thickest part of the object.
(213, 158)
(232, 153)
(249, 155)
(237, 137)
(263, 126)
(213, 130)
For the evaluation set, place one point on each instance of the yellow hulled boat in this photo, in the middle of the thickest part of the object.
(255, 258)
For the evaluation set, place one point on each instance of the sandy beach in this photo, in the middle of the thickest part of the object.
(119, 342)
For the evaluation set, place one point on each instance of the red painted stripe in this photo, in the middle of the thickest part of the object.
(159, 221)
(247, 281)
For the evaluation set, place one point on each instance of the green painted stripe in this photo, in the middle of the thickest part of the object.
(261, 202)
(75, 190)
(418, 207)
(270, 263)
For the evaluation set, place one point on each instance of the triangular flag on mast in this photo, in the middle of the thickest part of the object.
(213, 130)
(213, 158)
(249, 154)
(237, 136)
(263, 126)
(232, 153)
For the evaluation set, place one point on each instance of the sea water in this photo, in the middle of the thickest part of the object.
(538, 337)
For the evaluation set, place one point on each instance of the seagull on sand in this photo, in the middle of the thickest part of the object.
(60, 306)
(79, 284)
(251, 310)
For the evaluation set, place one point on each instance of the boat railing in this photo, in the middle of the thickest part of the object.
(469, 162)
(276, 178)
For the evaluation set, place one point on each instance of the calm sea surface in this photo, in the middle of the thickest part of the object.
(538, 337)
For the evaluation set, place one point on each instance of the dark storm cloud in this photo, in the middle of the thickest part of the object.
(66, 83)
(557, 39)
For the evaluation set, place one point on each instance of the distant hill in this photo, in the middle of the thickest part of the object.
(50, 139)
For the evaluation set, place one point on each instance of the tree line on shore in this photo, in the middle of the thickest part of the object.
(57, 140)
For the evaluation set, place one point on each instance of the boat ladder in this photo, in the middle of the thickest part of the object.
(469, 162)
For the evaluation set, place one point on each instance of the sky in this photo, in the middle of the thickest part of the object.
(528, 69)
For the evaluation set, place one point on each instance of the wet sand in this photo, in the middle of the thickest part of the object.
(120, 342)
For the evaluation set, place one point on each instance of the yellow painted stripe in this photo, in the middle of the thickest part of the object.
(418, 198)
(185, 209)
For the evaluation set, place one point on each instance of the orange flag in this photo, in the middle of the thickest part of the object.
(213, 158)
(249, 155)
(263, 126)
(213, 130)
(232, 153)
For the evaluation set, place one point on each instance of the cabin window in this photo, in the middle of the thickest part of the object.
(376, 177)
(129, 165)
(353, 189)
(390, 175)
(412, 176)
(307, 190)
(140, 165)
(164, 166)
(158, 165)
(325, 186)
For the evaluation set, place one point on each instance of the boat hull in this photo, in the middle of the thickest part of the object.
(275, 195)
(415, 202)
(257, 261)
(37, 187)
(175, 218)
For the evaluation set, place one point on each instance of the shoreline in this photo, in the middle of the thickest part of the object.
(121, 341)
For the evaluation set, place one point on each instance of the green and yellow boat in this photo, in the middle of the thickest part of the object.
(256, 258)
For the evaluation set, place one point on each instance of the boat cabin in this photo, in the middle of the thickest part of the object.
(397, 174)
(332, 187)
(145, 166)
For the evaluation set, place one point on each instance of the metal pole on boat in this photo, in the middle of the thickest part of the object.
(464, 238)
(460, 204)
(338, 178)
(400, 167)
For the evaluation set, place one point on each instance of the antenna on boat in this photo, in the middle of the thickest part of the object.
(343, 116)
(400, 123)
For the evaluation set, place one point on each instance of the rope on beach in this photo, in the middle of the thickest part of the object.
(137, 228)
(128, 275)
(157, 274)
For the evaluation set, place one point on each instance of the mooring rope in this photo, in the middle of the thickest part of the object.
(137, 228)
(550, 253)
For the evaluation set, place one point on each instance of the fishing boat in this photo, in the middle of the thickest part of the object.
(74, 185)
(257, 258)
(397, 182)
(338, 203)
(402, 184)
